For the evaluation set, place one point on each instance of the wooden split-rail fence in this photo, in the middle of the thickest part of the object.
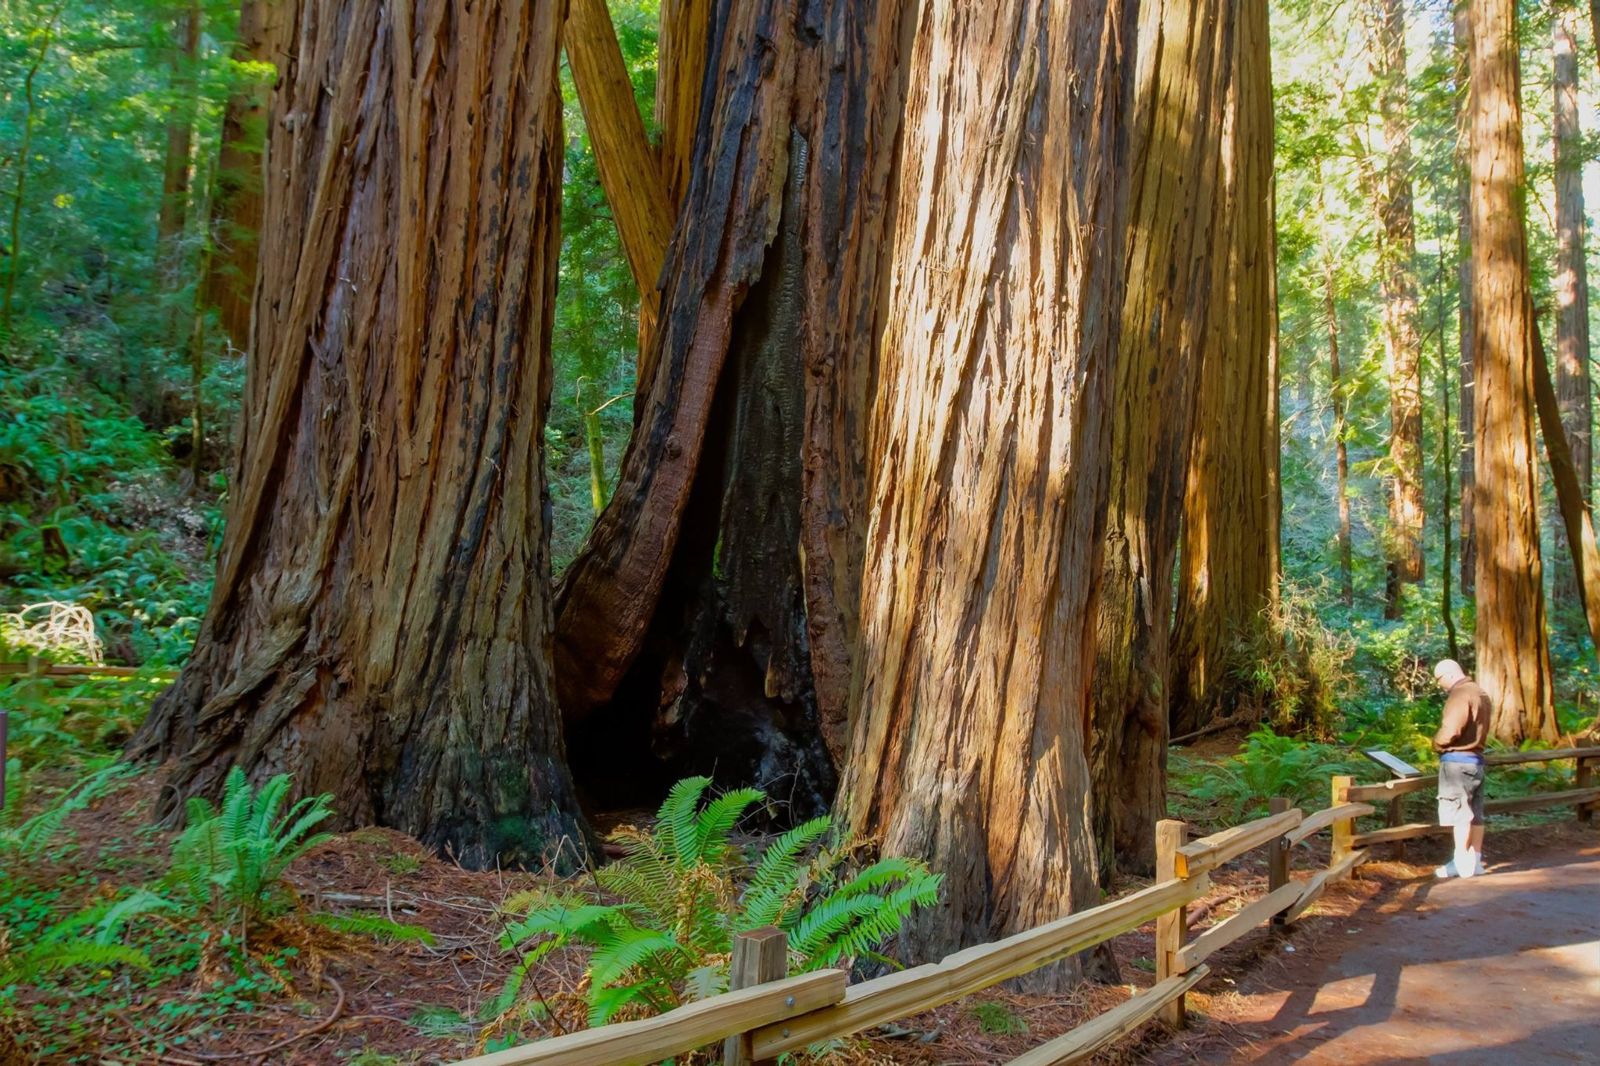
(768, 1013)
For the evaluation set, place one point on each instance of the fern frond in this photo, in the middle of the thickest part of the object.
(375, 926)
(713, 824)
(775, 886)
(631, 948)
(675, 821)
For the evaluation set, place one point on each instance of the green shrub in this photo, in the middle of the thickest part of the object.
(229, 861)
(685, 892)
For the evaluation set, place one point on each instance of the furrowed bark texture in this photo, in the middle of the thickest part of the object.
(1571, 285)
(380, 622)
(264, 37)
(990, 450)
(629, 171)
(1402, 344)
(1569, 493)
(1463, 48)
(1228, 566)
(708, 623)
(1184, 58)
(1513, 653)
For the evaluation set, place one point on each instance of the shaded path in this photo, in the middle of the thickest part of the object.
(1498, 970)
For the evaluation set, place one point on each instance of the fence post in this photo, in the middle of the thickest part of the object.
(1171, 927)
(1277, 856)
(1343, 828)
(759, 956)
(1585, 779)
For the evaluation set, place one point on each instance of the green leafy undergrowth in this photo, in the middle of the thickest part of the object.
(685, 890)
(1237, 788)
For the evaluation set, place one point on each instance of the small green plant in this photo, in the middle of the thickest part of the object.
(230, 860)
(43, 832)
(91, 937)
(998, 1018)
(686, 891)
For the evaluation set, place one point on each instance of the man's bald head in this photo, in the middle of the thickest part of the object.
(1447, 672)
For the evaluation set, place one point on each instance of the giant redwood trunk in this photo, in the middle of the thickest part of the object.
(380, 621)
(1513, 652)
(708, 622)
(1571, 284)
(1228, 567)
(990, 449)
(264, 27)
(1402, 344)
(1184, 59)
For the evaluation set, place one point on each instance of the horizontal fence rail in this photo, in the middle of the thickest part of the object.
(765, 1020)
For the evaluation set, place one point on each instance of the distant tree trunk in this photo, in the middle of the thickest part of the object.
(176, 166)
(1468, 447)
(708, 623)
(264, 28)
(1569, 493)
(1185, 51)
(1398, 282)
(380, 617)
(1341, 448)
(991, 440)
(1228, 568)
(1513, 650)
(1571, 282)
(629, 170)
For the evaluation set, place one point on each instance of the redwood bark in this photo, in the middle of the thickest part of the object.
(1571, 285)
(1397, 248)
(1228, 567)
(990, 449)
(1513, 654)
(380, 617)
(1185, 51)
(709, 620)
(681, 48)
(264, 28)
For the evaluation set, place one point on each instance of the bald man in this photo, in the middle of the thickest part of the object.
(1463, 729)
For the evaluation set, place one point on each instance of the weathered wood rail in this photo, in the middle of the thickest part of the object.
(765, 1020)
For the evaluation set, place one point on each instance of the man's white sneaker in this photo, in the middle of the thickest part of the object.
(1447, 870)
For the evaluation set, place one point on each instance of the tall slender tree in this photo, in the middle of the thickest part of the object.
(1185, 55)
(380, 619)
(1228, 567)
(1572, 280)
(1402, 343)
(1513, 653)
(230, 277)
(990, 444)
(1462, 42)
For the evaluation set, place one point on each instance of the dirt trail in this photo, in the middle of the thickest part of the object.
(1501, 970)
